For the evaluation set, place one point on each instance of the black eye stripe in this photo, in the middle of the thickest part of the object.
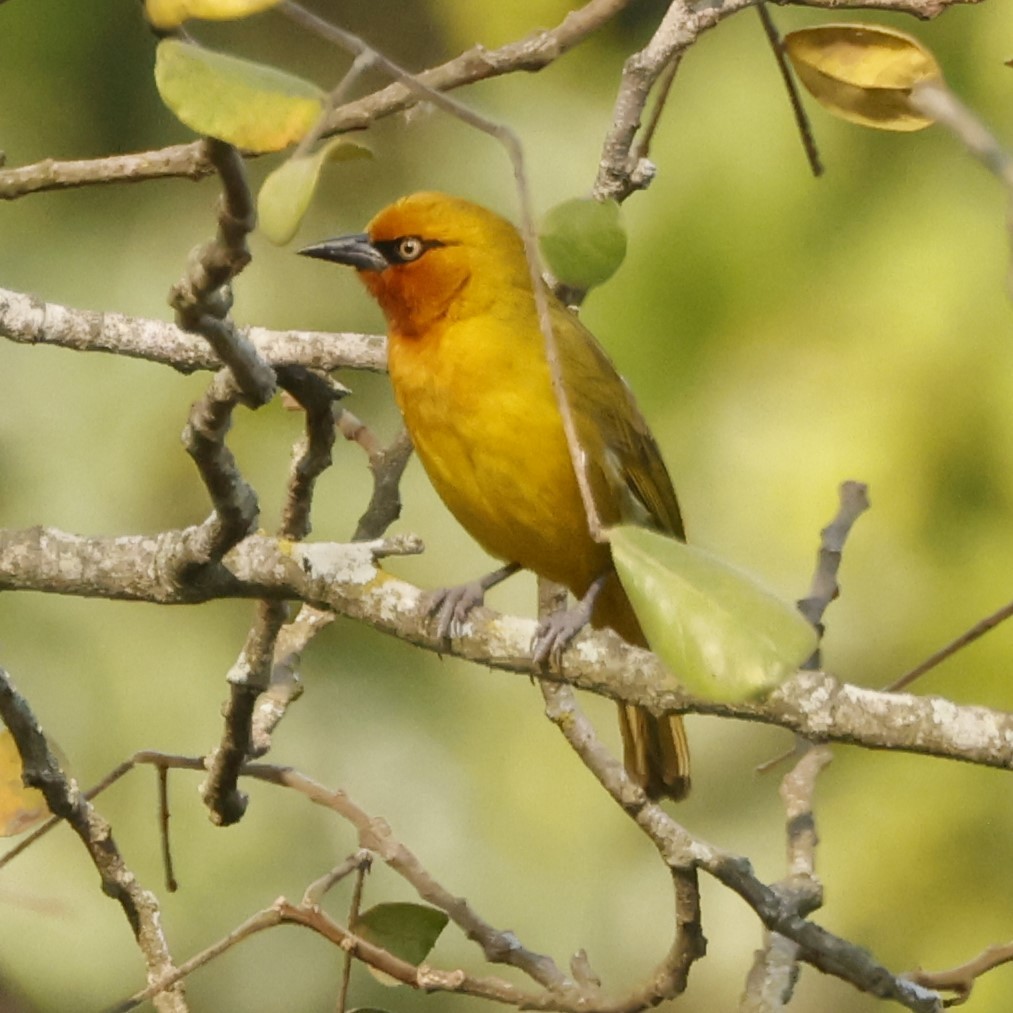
(391, 248)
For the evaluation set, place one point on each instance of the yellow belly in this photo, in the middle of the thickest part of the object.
(478, 402)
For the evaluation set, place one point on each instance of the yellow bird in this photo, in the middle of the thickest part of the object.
(468, 366)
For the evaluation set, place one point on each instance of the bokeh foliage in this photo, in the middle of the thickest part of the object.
(782, 334)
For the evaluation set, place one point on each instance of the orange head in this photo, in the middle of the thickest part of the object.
(431, 257)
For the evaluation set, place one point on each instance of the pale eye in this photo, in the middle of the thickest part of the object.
(410, 248)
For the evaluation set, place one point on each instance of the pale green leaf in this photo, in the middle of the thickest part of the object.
(286, 193)
(246, 104)
(583, 241)
(721, 634)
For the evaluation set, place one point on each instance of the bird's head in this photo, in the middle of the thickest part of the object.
(430, 257)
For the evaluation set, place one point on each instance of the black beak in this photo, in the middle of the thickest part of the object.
(356, 251)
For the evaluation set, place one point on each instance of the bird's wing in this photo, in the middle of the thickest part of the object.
(624, 465)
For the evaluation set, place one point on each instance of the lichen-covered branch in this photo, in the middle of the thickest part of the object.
(27, 320)
(347, 579)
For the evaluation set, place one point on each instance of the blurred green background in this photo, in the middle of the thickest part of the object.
(782, 333)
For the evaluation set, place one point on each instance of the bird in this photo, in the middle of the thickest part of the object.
(470, 374)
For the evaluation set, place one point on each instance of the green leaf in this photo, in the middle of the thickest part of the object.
(172, 13)
(583, 241)
(409, 931)
(721, 634)
(246, 104)
(286, 193)
(864, 73)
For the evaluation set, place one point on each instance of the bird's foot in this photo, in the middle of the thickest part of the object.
(448, 607)
(555, 632)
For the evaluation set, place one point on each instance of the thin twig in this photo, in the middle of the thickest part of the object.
(311, 456)
(805, 130)
(359, 862)
(853, 500)
(354, 907)
(171, 883)
(387, 466)
(234, 502)
(535, 51)
(960, 980)
(376, 836)
(979, 629)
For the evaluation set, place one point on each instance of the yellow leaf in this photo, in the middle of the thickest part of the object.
(172, 13)
(864, 73)
(286, 193)
(246, 104)
(20, 807)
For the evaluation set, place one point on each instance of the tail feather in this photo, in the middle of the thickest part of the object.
(655, 752)
(655, 749)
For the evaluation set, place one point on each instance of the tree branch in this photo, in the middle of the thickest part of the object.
(532, 53)
(621, 171)
(30, 321)
(203, 296)
(41, 769)
(771, 981)
(190, 160)
(346, 578)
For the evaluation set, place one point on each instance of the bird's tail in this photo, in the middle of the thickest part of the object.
(655, 749)
(655, 752)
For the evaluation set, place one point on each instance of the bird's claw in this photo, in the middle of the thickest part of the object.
(555, 632)
(448, 607)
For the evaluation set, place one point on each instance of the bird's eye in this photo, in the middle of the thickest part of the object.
(410, 248)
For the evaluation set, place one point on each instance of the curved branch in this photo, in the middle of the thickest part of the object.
(66, 801)
(190, 160)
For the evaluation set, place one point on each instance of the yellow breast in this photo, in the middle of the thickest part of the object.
(477, 398)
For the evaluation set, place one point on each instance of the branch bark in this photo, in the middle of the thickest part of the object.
(65, 800)
(347, 579)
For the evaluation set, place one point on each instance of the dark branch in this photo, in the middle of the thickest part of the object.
(65, 800)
